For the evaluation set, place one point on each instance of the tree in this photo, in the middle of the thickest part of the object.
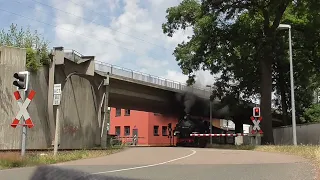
(303, 16)
(312, 114)
(37, 47)
(240, 40)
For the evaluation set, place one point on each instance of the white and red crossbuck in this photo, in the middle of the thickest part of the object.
(23, 109)
(256, 125)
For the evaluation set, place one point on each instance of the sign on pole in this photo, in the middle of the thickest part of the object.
(56, 102)
(57, 89)
(108, 126)
(23, 109)
(256, 119)
(56, 94)
(256, 126)
(56, 99)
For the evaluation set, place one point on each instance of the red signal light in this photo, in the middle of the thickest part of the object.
(256, 112)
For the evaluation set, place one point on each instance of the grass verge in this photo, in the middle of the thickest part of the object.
(14, 159)
(311, 152)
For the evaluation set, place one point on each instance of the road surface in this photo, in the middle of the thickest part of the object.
(167, 163)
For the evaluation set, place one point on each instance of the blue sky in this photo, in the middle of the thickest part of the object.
(126, 33)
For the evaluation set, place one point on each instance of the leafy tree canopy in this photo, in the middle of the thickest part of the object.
(241, 40)
(36, 46)
(305, 37)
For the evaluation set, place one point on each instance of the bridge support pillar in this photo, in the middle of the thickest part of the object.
(106, 117)
(100, 102)
(56, 56)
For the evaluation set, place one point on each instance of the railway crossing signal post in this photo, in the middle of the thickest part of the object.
(56, 102)
(256, 119)
(22, 84)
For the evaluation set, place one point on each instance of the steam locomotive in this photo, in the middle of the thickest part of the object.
(189, 125)
(226, 107)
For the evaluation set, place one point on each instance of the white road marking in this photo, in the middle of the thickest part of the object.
(146, 166)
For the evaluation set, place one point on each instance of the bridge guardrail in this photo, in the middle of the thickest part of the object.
(120, 71)
(128, 73)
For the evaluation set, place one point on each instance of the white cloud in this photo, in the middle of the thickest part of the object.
(176, 76)
(203, 78)
(113, 4)
(133, 37)
(146, 62)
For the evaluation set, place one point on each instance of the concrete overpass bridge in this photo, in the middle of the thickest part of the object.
(129, 89)
(138, 91)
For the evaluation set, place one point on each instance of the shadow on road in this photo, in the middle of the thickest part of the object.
(57, 173)
(233, 147)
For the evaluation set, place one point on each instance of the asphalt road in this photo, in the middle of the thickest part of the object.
(187, 163)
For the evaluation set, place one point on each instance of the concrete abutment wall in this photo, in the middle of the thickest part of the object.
(11, 60)
(78, 119)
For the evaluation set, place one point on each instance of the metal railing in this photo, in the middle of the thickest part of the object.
(128, 73)
(72, 55)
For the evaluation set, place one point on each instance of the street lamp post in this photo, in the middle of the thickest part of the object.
(210, 114)
(293, 112)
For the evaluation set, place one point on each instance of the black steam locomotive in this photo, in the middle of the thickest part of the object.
(190, 125)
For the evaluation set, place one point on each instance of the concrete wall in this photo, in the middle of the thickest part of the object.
(79, 123)
(78, 119)
(39, 136)
(77, 116)
(306, 134)
(12, 60)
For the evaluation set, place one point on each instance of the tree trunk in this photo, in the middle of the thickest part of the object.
(238, 125)
(266, 89)
(282, 87)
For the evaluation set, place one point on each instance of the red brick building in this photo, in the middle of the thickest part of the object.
(151, 128)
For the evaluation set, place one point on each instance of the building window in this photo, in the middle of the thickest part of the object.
(118, 112)
(117, 130)
(127, 130)
(127, 112)
(156, 130)
(164, 131)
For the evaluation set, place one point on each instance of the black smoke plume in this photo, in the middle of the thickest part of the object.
(224, 108)
(194, 105)
(188, 100)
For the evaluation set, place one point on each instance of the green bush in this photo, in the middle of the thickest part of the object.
(37, 47)
(312, 114)
(32, 63)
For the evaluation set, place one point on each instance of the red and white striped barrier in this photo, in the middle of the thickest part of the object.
(23, 110)
(218, 135)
